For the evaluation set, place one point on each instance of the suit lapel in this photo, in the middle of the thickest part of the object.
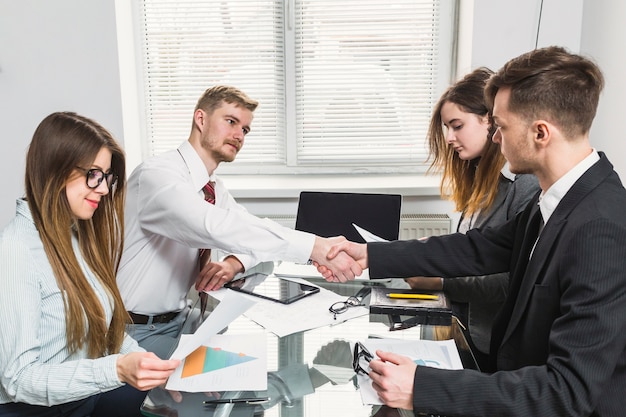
(502, 323)
(540, 257)
(546, 244)
(495, 207)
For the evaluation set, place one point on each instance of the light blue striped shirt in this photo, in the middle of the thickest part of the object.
(35, 364)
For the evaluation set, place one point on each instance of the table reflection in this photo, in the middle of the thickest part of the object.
(310, 373)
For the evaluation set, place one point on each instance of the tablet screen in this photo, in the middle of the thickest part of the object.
(272, 288)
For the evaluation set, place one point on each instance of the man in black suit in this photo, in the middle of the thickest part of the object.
(558, 346)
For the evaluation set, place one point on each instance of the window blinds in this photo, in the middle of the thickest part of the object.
(340, 83)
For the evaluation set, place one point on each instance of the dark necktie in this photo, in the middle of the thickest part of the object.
(541, 224)
(501, 321)
(205, 254)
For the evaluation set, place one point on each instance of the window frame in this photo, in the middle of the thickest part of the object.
(133, 104)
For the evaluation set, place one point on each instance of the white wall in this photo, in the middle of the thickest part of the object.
(62, 55)
(54, 56)
(603, 38)
(594, 28)
(504, 29)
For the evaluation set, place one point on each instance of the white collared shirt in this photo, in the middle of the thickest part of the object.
(37, 366)
(550, 199)
(167, 221)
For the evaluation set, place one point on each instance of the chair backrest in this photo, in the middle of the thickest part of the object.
(332, 214)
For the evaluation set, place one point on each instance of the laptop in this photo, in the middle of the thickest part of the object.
(332, 214)
(329, 214)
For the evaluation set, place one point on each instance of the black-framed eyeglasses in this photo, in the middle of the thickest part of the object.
(361, 359)
(343, 306)
(95, 176)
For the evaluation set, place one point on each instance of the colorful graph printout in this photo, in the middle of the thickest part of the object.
(206, 359)
(441, 354)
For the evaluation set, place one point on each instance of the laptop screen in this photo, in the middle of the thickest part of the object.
(332, 214)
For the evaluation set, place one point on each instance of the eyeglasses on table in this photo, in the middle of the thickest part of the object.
(361, 359)
(343, 306)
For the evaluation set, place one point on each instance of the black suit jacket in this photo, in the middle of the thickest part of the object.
(560, 340)
(485, 294)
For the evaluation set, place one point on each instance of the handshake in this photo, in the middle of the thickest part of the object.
(338, 259)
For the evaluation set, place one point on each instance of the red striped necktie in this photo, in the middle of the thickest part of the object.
(209, 192)
(205, 254)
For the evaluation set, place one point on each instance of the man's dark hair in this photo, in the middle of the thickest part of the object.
(551, 84)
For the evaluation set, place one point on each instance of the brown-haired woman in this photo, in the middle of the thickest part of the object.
(476, 178)
(63, 349)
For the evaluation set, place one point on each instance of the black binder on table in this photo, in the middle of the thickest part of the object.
(433, 312)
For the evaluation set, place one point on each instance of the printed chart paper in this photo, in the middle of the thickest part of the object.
(224, 363)
(436, 354)
(230, 307)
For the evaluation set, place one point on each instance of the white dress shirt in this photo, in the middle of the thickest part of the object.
(552, 197)
(36, 366)
(167, 221)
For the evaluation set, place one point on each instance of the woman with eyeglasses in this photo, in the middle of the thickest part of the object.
(63, 350)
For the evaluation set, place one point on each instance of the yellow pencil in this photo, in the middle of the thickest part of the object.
(414, 296)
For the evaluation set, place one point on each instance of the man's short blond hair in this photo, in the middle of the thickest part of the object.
(215, 96)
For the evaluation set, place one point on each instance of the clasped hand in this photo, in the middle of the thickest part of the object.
(337, 259)
(341, 260)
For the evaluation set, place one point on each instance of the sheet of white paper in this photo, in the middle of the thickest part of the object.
(231, 306)
(307, 313)
(224, 363)
(434, 353)
(367, 235)
(295, 270)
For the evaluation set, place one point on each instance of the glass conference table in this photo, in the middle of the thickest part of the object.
(298, 381)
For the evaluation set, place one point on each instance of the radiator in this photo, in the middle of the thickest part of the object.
(415, 226)
(412, 226)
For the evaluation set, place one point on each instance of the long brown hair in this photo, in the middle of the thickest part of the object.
(470, 185)
(62, 142)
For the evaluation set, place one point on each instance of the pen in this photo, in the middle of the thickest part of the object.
(244, 400)
(415, 296)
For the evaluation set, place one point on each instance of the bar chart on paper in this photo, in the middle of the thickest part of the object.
(206, 359)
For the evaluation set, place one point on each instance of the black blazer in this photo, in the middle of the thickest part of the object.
(485, 294)
(561, 337)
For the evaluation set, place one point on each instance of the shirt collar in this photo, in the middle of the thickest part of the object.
(552, 197)
(199, 174)
(23, 208)
(506, 172)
